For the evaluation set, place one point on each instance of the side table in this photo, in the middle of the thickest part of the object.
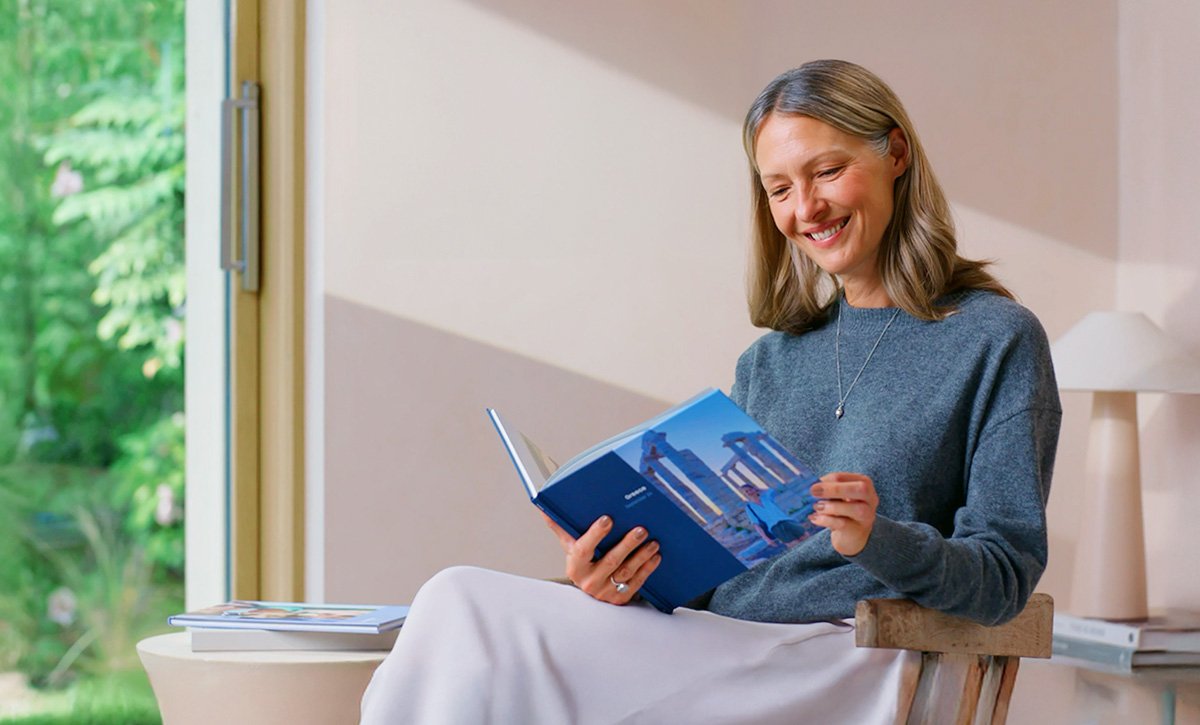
(1099, 695)
(293, 687)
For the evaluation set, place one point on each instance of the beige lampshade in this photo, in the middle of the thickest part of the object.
(1123, 351)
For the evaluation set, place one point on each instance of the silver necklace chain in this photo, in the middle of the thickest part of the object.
(837, 356)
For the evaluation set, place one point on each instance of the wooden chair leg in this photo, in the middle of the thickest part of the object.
(1008, 677)
(958, 689)
(967, 670)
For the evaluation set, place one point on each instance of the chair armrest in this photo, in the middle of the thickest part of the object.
(903, 624)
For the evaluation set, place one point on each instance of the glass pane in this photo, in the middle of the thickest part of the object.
(92, 288)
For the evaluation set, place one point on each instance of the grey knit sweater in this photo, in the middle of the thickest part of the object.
(955, 421)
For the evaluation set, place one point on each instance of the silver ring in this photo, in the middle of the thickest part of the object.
(621, 587)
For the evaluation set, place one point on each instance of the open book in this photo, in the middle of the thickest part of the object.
(718, 494)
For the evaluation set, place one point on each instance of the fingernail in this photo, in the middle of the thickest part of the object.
(817, 490)
(605, 520)
(819, 505)
(639, 533)
(652, 546)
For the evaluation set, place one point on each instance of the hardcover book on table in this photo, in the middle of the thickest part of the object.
(295, 617)
(1174, 630)
(716, 491)
(1112, 658)
(208, 639)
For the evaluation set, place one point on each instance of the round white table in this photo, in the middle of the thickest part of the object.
(293, 687)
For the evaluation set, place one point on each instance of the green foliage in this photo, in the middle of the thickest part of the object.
(120, 698)
(81, 591)
(150, 476)
(91, 225)
(92, 336)
(129, 142)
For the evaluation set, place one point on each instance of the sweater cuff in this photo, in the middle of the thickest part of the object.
(885, 547)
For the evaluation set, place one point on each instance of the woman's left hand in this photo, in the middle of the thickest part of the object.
(847, 508)
(615, 577)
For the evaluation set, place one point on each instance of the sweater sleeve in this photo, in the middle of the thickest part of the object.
(988, 566)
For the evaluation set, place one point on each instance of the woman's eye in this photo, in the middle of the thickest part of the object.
(830, 173)
(777, 193)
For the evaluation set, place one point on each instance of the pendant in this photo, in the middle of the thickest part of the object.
(841, 410)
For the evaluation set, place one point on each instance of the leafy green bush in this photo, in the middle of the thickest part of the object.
(92, 336)
(149, 476)
(77, 590)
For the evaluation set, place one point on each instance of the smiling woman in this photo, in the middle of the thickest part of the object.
(936, 471)
(831, 194)
(831, 124)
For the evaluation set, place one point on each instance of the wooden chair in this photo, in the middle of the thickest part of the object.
(967, 670)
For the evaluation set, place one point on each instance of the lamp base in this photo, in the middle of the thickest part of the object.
(1110, 560)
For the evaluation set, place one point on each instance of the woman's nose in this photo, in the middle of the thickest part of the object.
(810, 206)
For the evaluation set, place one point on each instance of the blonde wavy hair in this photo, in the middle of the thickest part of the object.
(918, 256)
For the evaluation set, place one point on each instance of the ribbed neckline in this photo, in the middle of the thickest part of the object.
(872, 318)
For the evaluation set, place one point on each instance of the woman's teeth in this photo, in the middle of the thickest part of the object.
(827, 233)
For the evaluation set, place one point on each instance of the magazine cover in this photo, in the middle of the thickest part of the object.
(295, 616)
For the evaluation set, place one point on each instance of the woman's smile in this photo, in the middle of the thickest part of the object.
(827, 236)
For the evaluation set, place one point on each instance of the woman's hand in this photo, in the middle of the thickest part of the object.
(630, 562)
(847, 508)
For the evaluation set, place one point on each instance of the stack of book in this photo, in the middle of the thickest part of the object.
(1171, 639)
(244, 625)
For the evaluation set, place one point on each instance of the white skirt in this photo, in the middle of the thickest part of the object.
(484, 647)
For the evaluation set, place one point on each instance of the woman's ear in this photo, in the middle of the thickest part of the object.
(898, 151)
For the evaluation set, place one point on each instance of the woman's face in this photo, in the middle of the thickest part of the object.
(831, 194)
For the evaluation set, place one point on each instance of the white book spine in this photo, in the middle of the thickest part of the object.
(232, 640)
(1101, 654)
(1097, 630)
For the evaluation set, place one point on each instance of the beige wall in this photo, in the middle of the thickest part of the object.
(1159, 271)
(540, 206)
(564, 181)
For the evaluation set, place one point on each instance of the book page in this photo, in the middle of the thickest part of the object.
(530, 462)
(625, 436)
(545, 464)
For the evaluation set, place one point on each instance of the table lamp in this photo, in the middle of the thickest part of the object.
(1115, 355)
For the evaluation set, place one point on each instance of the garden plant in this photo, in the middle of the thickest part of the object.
(91, 350)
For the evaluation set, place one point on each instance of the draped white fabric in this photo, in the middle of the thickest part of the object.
(486, 647)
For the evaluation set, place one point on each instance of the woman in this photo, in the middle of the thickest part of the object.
(773, 524)
(906, 370)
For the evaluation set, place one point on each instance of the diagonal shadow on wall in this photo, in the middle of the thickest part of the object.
(1016, 102)
(410, 452)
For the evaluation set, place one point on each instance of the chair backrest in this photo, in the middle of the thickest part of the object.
(967, 670)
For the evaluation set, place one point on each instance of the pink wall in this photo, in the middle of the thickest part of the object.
(1064, 133)
(1159, 255)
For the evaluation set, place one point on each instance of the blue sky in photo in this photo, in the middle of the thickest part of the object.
(698, 427)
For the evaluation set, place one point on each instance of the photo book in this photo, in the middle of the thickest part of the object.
(1174, 630)
(717, 493)
(1113, 658)
(263, 640)
(257, 625)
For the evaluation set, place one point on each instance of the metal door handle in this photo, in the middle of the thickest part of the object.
(240, 180)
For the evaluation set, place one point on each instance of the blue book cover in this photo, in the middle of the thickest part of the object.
(718, 494)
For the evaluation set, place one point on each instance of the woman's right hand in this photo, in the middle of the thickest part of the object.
(631, 561)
